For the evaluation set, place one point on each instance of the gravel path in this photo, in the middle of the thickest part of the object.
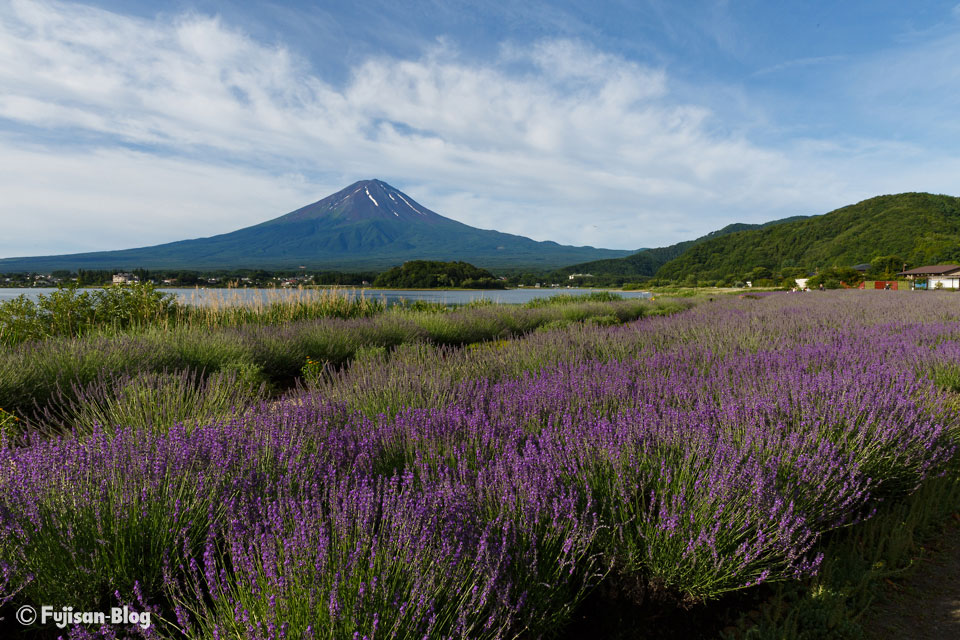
(925, 605)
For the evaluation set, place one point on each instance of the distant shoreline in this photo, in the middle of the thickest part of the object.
(344, 286)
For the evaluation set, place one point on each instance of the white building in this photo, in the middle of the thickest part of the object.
(940, 276)
(945, 281)
(125, 278)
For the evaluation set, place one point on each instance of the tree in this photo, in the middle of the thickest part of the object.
(187, 278)
(759, 273)
(835, 278)
(886, 267)
(425, 274)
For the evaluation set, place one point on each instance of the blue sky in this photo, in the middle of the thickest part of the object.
(616, 124)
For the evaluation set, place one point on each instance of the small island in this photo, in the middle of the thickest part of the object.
(431, 274)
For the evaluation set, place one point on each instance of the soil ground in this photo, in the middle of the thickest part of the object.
(925, 605)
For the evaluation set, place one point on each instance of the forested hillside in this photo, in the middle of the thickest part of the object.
(647, 262)
(915, 228)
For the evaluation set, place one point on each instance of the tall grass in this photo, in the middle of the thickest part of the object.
(71, 312)
(35, 374)
(151, 401)
(230, 308)
(562, 298)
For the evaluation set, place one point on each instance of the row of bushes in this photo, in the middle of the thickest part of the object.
(37, 377)
(72, 312)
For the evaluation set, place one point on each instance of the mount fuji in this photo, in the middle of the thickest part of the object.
(367, 226)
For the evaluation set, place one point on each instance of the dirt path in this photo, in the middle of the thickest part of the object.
(925, 605)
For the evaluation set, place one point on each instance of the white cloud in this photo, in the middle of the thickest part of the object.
(557, 140)
(109, 199)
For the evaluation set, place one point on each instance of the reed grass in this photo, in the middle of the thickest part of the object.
(229, 308)
(71, 312)
(38, 374)
(152, 401)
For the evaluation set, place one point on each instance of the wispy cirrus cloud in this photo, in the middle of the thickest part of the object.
(798, 62)
(555, 140)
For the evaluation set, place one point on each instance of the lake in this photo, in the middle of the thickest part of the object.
(506, 296)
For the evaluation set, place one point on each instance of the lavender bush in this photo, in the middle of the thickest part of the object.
(482, 491)
(152, 401)
(31, 373)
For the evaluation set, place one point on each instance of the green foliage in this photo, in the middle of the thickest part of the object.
(421, 305)
(886, 267)
(58, 371)
(563, 298)
(312, 371)
(362, 387)
(71, 312)
(836, 278)
(277, 308)
(153, 401)
(919, 227)
(8, 423)
(88, 278)
(647, 262)
(793, 272)
(428, 274)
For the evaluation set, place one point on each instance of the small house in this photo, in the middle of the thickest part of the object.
(939, 276)
(125, 278)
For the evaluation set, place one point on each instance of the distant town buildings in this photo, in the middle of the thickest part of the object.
(125, 278)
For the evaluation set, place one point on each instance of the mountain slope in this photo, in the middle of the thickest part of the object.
(920, 228)
(646, 262)
(368, 225)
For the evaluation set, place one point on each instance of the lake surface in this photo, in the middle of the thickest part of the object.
(209, 296)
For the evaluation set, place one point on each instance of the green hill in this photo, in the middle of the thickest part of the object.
(426, 274)
(919, 228)
(646, 262)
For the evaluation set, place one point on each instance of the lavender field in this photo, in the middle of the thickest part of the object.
(433, 489)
